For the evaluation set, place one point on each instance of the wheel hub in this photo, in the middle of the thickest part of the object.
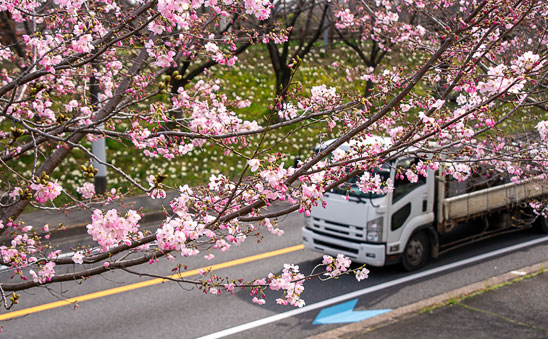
(415, 251)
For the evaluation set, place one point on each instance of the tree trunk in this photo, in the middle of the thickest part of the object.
(282, 81)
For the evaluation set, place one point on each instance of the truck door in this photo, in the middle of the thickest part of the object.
(407, 201)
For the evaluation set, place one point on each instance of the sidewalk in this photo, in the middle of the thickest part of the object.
(512, 305)
(73, 222)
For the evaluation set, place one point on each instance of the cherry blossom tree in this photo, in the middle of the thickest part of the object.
(487, 57)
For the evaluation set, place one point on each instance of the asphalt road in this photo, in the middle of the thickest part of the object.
(171, 310)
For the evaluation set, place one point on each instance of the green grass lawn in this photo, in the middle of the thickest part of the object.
(251, 78)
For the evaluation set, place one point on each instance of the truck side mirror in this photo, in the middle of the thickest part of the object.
(296, 161)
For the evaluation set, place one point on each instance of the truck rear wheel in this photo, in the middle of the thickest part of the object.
(541, 224)
(416, 253)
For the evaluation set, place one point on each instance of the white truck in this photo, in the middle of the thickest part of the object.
(406, 225)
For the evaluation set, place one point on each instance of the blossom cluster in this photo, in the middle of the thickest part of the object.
(175, 232)
(48, 191)
(45, 274)
(110, 229)
(291, 280)
(291, 283)
(26, 250)
(87, 190)
(207, 114)
(344, 18)
(369, 183)
(336, 266)
(179, 12)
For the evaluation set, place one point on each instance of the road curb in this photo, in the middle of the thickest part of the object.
(80, 228)
(404, 312)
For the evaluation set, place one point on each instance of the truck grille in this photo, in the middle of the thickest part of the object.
(341, 230)
(335, 246)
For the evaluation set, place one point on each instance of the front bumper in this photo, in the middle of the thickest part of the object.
(369, 254)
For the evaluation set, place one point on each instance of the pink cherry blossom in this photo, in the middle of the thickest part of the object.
(78, 258)
(254, 164)
(45, 192)
(165, 60)
(87, 190)
(362, 274)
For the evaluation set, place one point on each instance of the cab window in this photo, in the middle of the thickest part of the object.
(402, 185)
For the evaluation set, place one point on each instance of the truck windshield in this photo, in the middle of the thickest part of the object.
(351, 188)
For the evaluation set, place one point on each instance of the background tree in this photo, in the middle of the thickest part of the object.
(306, 22)
(372, 29)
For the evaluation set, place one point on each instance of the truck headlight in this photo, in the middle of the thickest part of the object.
(374, 230)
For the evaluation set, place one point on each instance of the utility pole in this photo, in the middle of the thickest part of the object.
(98, 146)
(99, 150)
(326, 31)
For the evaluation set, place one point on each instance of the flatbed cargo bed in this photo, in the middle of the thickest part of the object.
(471, 205)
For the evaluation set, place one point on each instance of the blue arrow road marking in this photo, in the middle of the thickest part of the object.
(344, 313)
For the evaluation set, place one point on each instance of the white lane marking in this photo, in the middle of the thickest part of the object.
(280, 316)
(518, 272)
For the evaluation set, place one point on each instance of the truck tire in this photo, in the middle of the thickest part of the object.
(541, 224)
(416, 253)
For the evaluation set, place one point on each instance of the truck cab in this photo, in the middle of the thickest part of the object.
(377, 229)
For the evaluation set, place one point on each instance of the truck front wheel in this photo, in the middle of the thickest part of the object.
(416, 252)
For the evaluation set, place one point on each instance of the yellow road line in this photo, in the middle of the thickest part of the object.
(146, 283)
